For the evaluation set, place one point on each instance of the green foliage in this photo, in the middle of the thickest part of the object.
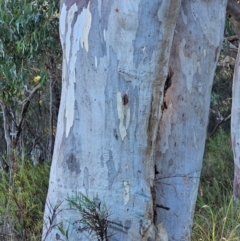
(222, 90)
(228, 31)
(216, 225)
(221, 97)
(217, 171)
(216, 216)
(30, 54)
(26, 35)
(22, 201)
(94, 217)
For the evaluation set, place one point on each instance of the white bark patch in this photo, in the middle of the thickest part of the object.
(72, 39)
(96, 62)
(184, 17)
(104, 35)
(126, 194)
(86, 20)
(204, 53)
(188, 64)
(123, 115)
(162, 234)
(70, 17)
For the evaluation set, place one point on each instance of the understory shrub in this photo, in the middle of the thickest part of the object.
(217, 217)
(22, 201)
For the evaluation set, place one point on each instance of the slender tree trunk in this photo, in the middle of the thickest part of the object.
(235, 131)
(233, 9)
(114, 69)
(50, 145)
(7, 130)
(182, 133)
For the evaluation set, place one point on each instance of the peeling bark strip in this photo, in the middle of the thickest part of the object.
(182, 131)
(114, 69)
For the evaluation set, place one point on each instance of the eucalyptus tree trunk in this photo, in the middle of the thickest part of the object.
(182, 133)
(233, 9)
(235, 132)
(114, 69)
(115, 76)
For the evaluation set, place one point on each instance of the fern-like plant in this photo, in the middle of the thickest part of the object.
(94, 216)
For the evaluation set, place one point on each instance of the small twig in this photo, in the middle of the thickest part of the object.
(218, 124)
(49, 224)
(25, 106)
(232, 38)
(163, 207)
(6, 125)
(179, 175)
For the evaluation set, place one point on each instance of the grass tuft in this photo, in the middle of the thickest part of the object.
(217, 217)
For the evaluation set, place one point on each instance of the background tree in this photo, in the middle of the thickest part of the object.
(182, 131)
(115, 77)
(28, 58)
(29, 99)
(234, 11)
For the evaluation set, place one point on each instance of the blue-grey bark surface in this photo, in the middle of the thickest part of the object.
(182, 133)
(116, 58)
(115, 63)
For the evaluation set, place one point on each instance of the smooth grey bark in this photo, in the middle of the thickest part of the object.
(115, 66)
(235, 120)
(182, 132)
(234, 10)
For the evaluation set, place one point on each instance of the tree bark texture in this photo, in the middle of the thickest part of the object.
(182, 132)
(7, 130)
(115, 76)
(114, 69)
(235, 130)
(233, 9)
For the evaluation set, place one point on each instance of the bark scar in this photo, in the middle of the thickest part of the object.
(125, 99)
(167, 85)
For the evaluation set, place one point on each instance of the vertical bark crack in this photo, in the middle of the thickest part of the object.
(167, 85)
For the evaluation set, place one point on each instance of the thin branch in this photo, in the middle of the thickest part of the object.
(24, 102)
(25, 106)
(218, 124)
(179, 175)
(50, 119)
(6, 124)
(233, 38)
